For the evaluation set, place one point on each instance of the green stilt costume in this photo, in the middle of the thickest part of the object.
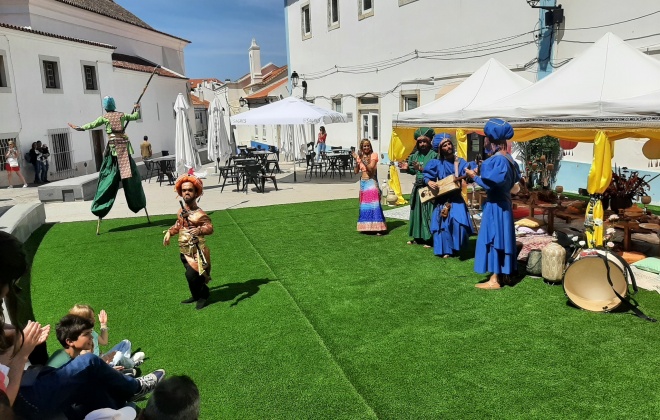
(118, 165)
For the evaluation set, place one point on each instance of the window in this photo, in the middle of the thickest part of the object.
(61, 152)
(263, 130)
(89, 77)
(306, 20)
(409, 100)
(365, 9)
(256, 131)
(50, 74)
(368, 101)
(4, 146)
(336, 104)
(404, 2)
(4, 79)
(333, 14)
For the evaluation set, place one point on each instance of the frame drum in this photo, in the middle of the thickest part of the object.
(585, 282)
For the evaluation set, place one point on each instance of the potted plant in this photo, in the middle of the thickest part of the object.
(624, 187)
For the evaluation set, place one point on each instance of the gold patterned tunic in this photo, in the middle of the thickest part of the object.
(188, 244)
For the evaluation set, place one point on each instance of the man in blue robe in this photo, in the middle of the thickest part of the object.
(496, 244)
(450, 222)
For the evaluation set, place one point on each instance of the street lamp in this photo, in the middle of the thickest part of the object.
(294, 79)
(242, 102)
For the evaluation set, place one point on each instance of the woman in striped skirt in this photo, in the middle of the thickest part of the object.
(371, 217)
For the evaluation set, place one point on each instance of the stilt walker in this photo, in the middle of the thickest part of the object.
(118, 165)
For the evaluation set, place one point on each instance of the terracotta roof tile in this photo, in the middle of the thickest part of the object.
(264, 92)
(195, 82)
(66, 38)
(130, 62)
(111, 9)
(273, 74)
(197, 101)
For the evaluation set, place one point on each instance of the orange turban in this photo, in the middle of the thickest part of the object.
(199, 187)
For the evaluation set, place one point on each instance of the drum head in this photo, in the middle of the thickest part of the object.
(586, 285)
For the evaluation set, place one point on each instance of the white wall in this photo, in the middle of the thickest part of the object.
(431, 25)
(30, 112)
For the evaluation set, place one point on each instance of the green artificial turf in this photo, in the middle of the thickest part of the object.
(312, 320)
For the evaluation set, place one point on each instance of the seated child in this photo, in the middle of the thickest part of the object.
(119, 355)
(174, 398)
(75, 334)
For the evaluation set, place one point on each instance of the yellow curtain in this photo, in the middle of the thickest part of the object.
(400, 148)
(461, 152)
(599, 179)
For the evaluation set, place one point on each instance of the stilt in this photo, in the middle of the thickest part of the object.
(148, 219)
(98, 226)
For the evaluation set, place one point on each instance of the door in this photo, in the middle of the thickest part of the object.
(98, 146)
(370, 125)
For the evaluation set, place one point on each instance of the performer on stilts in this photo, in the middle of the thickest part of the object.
(192, 225)
(118, 164)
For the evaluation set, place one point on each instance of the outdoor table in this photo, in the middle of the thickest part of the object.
(262, 155)
(550, 208)
(654, 227)
(628, 226)
(333, 160)
(165, 166)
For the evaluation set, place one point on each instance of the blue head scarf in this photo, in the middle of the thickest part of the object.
(439, 139)
(498, 130)
(109, 103)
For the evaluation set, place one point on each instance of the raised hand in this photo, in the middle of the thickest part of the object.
(103, 317)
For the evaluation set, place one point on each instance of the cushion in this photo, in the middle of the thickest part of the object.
(529, 222)
(651, 264)
(632, 257)
(519, 212)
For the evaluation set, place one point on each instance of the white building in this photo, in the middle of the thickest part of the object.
(59, 58)
(261, 86)
(374, 58)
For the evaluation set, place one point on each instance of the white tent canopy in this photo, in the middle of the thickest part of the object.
(491, 82)
(289, 110)
(598, 87)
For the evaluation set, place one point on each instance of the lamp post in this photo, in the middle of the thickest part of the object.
(554, 15)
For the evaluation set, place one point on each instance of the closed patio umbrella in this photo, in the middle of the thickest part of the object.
(219, 145)
(187, 156)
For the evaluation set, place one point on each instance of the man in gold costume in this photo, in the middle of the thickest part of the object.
(193, 225)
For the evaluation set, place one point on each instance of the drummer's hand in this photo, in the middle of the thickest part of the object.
(433, 185)
(470, 173)
(403, 165)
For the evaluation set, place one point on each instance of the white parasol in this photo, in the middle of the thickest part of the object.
(186, 153)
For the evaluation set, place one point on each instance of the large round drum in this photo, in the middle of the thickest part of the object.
(585, 281)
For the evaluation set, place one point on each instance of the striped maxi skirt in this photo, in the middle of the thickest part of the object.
(371, 217)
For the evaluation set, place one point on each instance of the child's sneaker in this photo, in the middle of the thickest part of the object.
(11, 186)
(129, 372)
(24, 185)
(148, 383)
(138, 358)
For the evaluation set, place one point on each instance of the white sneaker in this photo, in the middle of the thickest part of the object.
(138, 358)
(11, 186)
(24, 185)
(148, 383)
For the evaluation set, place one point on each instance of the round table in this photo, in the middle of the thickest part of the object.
(550, 208)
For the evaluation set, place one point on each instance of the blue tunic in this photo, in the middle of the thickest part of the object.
(451, 233)
(496, 243)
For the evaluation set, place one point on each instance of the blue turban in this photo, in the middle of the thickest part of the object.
(498, 130)
(439, 139)
(109, 103)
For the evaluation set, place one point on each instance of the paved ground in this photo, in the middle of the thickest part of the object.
(162, 199)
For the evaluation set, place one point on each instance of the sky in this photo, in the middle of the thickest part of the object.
(220, 32)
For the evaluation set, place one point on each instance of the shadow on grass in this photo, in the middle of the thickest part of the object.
(239, 291)
(394, 224)
(166, 222)
(21, 304)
